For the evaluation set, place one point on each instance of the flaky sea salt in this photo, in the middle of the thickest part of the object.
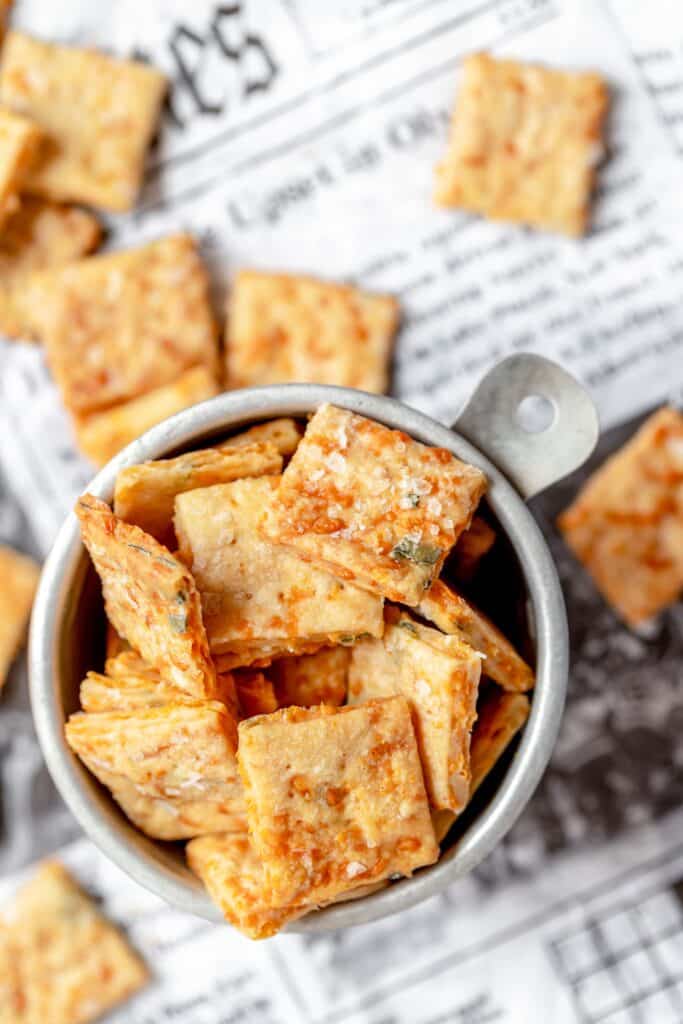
(355, 867)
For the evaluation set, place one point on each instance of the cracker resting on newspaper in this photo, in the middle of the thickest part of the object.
(286, 328)
(372, 505)
(125, 323)
(452, 614)
(310, 679)
(19, 141)
(626, 524)
(19, 576)
(74, 965)
(149, 596)
(145, 494)
(98, 115)
(260, 599)
(525, 141)
(335, 798)
(439, 677)
(102, 435)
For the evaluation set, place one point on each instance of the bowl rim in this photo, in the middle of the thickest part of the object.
(141, 857)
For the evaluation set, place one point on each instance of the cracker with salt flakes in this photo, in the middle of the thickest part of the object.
(626, 524)
(286, 328)
(452, 614)
(128, 691)
(335, 798)
(149, 596)
(19, 576)
(524, 144)
(74, 965)
(258, 598)
(98, 115)
(19, 141)
(171, 818)
(145, 494)
(102, 435)
(255, 693)
(310, 679)
(372, 505)
(125, 323)
(439, 677)
(176, 750)
(285, 433)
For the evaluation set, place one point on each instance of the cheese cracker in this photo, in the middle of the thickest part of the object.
(310, 679)
(525, 141)
(98, 115)
(102, 435)
(18, 581)
(626, 524)
(372, 505)
(149, 597)
(439, 677)
(255, 693)
(285, 328)
(257, 596)
(128, 691)
(74, 965)
(145, 494)
(473, 544)
(19, 141)
(454, 615)
(335, 798)
(125, 323)
(501, 717)
(284, 433)
(171, 818)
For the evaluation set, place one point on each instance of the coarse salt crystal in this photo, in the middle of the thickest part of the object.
(434, 506)
(316, 474)
(355, 867)
(335, 462)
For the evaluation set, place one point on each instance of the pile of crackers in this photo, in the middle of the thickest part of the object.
(290, 683)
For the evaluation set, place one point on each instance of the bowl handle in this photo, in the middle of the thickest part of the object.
(493, 422)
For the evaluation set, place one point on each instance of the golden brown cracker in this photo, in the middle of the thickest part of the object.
(475, 542)
(335, 798)
(525, 141)
(171, 818)
(284, 433)
(259, 598)
(454, 615)
(128, 692)
(439, 677)
(19, 576)
(286, 328)
(98, 115)
(19, 141)
(145, 494)
(255, 693)
(126, 323)
(626, 524)
(102, 435)
(310, 679)
(372, 505)
(501, 717)
(150, 597)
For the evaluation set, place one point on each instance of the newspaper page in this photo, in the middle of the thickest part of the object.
(304, 139)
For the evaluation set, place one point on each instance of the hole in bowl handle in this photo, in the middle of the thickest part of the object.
(532, 459)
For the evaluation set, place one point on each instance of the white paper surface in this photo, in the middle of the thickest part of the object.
(302, 136)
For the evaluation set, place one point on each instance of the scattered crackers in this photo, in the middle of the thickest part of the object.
(626, 525)
(284, 328)
(68, 964)
(97, 114)
(372, 505)
(525, 141)
(18, 581)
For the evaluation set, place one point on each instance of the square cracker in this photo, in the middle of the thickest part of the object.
(235, 879)
(40, 236)
(310, 679)
(452, 614)
(176, 750)
(626, 524)
(122, 324)
(150, 597)
(439, 677)
(145, 494)
(171, 818)
(19, 141)
(335, 798)
(126, 688)
(258, 596)
(74, 964)
(98, 115)
(525, 141)
(372, 505)
(285, 433)
(18, 581)
(102, 435)
(284, 328)
(473, 544)
(255, 693)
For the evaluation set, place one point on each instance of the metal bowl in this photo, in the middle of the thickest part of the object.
(66, 630)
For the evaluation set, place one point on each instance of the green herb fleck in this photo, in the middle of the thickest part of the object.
(170, 562)
(407, 624)
(178, 622)
(414, 499)
(412, 551)
(349, 639)
(139, 547)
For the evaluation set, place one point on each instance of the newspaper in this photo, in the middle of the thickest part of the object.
(302, 136)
